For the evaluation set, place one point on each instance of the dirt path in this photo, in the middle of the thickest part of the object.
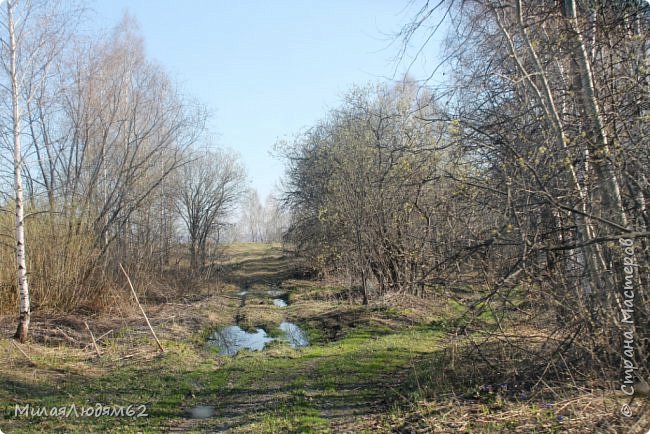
(357, 366)
(349, 374)
(386, 367)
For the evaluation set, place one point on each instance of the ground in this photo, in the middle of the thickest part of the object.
(393, 366)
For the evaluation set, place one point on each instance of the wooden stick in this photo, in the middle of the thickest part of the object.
(128, 356)
(67, 336)
(108, 332)
(23, 353)
(142, 310)
(98, 339)
(92, 337)
(226, 296)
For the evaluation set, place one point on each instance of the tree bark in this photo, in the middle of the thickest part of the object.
(610, 190)
(23, 287)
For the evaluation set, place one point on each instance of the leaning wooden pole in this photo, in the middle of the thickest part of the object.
(141, 309)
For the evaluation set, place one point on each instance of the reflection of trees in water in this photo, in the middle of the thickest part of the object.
(232, 339)
(295, 335)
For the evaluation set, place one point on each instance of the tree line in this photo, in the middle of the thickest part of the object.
(105, 162)
(521, 180)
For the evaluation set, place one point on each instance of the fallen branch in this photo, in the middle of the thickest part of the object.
(129, 356)
(142, 310)
(108, 332)
(66, 336)
(92, 337)
(227, 296)
(98, 339)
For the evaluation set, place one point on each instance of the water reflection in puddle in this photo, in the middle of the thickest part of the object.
(201, 412)
(296, 337)
(279, 302)
(231, 339)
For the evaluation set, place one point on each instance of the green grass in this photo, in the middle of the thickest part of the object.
(368, 369)
(304, 385)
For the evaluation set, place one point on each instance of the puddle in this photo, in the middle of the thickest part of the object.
(231, 339)
(201, 412)
(279, 302)
(296, 336)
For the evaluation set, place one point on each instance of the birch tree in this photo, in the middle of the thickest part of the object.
(34, 34)
(548, 103)
(96, 131)
(23, 285)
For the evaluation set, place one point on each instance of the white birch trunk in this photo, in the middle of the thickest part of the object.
(541, 89)
(610, 190)
(23, 287)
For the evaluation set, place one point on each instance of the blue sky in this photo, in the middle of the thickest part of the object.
(267, 69)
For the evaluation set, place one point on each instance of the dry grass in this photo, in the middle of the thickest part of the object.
(573, 413)
(450, 387)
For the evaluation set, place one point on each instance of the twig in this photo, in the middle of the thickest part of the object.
(92, 337)
(23, 353)
(108, 332)
(67, 336)
(227, 296)
(98, 339)
(128, 356)
(142, 310)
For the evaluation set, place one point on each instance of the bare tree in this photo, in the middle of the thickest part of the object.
(23, 286)
(361, 184)
(548, 106)
(209, 189)
(252, 218)
(98, 130)
(35, 35)
(275, 220)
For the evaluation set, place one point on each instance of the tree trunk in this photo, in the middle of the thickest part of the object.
(193, 259)
(610, 191)
(23, 287)
(364, 286)
(543, 92)
(611, 203)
